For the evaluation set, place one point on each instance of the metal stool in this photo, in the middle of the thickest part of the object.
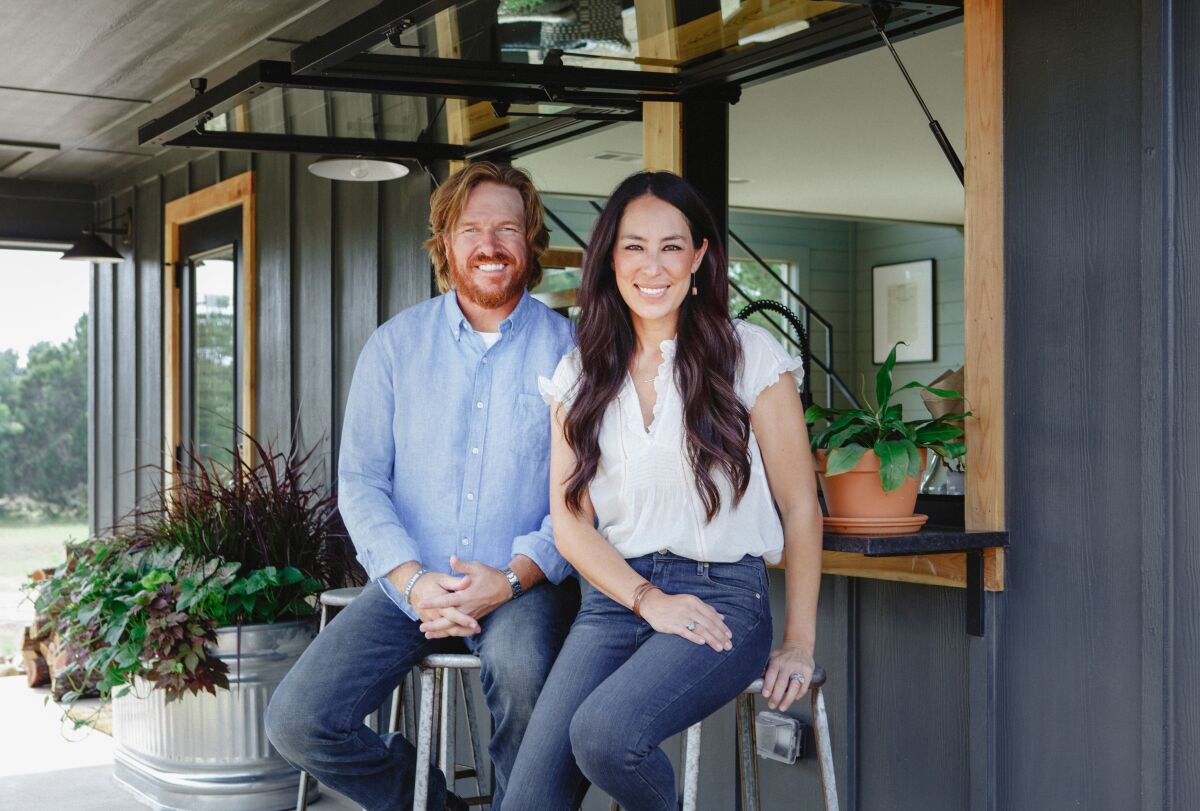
(338, 599)
(747, 754)
(434, 683)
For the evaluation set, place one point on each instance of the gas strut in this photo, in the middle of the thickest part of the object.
(880, 12)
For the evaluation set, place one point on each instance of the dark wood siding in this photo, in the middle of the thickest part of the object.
(321, 289)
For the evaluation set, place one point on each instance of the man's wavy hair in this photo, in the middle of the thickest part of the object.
(451, 197)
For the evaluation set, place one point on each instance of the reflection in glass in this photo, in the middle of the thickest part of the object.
(214, 348)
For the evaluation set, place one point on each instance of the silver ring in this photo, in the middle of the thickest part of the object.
(691, 626)
(796, 677)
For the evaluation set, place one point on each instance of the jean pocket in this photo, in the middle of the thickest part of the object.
(749, 578)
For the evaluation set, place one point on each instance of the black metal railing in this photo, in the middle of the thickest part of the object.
(799, 336)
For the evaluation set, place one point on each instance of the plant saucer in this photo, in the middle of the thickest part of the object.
(875, 526)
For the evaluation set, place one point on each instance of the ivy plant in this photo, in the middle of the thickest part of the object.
(880, 426)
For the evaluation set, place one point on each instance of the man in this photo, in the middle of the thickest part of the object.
(443, 485)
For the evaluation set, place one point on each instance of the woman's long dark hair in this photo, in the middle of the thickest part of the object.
(707, 352)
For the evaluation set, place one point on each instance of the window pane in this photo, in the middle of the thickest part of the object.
(215, 350)
(757, 284)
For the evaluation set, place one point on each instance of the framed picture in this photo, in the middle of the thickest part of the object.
(903, 308)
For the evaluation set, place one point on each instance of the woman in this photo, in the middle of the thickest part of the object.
(673, 429)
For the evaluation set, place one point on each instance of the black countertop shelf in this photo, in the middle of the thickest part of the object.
(933, 541)
(929, 541)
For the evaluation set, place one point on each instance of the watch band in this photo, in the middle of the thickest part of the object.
(513, 581)
(412, 581)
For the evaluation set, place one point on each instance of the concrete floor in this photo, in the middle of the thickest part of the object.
(45, 764)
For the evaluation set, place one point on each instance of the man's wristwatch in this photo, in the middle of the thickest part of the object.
(513, 581)
(412, 581)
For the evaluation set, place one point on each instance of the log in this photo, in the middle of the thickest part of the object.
(37, 669)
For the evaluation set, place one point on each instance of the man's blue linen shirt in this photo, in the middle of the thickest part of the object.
(445, 445)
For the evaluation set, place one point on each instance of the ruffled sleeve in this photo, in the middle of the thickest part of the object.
(560, 389)
(763, 360)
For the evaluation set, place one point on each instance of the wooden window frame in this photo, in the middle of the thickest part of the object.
(236, 191)
(983, 290)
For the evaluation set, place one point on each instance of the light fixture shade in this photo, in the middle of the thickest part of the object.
(91, 248)
(360, 169)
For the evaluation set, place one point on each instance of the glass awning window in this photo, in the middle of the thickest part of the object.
(437, 80)
(602, 33)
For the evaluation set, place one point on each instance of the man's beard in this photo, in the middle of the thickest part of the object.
(490, 298)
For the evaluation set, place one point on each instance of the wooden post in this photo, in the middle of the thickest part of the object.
(983, 272)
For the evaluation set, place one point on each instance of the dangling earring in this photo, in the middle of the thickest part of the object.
(693, 282)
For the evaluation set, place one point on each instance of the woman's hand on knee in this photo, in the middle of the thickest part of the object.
(687, 616)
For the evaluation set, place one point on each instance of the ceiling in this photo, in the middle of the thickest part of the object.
(845, 139)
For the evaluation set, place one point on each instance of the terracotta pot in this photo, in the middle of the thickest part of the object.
(858, 493)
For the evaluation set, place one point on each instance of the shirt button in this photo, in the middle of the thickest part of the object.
(485, 361)
(479, 404)
(466, 541)
(474, 450)
(470, 496)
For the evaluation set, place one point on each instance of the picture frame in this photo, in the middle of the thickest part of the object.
(904, 308)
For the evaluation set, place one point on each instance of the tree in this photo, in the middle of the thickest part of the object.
(10, 426)
(49, 456)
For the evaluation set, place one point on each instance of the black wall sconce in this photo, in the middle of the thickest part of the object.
(91, 248)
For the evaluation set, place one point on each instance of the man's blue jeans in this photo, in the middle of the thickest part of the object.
(619, 689)
(315, 718)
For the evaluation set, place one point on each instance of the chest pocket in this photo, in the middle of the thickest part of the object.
(531, 428)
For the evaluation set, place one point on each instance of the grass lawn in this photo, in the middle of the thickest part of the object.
(23, 548)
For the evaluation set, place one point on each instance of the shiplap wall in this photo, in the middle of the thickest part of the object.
(334, 260)
(880, 243)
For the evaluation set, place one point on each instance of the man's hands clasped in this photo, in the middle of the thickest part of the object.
(450, 605)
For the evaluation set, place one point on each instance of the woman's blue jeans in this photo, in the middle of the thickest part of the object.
(619, 689)
(315, 719)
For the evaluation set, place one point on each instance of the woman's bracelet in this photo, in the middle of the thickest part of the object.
(639, 594)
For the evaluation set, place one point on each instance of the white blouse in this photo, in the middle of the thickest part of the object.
(644, 492)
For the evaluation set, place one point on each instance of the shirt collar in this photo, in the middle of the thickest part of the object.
(458, 322)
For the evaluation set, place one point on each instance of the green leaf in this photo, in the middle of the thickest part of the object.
(883, 381)
(843, 459)
(937, 432)
(914, 460)
(842, 437)
(946, 394)
(289, 575)
(893, 463)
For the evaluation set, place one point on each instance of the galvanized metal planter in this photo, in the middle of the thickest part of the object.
(206, 752)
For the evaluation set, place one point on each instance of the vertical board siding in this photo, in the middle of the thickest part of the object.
(312, 315)
(911, 698)
(273, 239)
(356, 283)
(148, 236)
(106, 430)
(1184, 473)
(1068, 656)
(125, 381)
(405, 274)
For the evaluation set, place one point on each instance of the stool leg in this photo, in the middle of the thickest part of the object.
(410, 705)
(824, 750)
(472, 731)
(691, 768)
(446, 729)
(747, 754)
(424, 741)
(302, 796)
(394, 711)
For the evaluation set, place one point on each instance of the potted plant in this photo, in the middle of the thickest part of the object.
(870, 459)
(189, 614)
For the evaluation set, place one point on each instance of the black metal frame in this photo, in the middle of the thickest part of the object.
(336, 62)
